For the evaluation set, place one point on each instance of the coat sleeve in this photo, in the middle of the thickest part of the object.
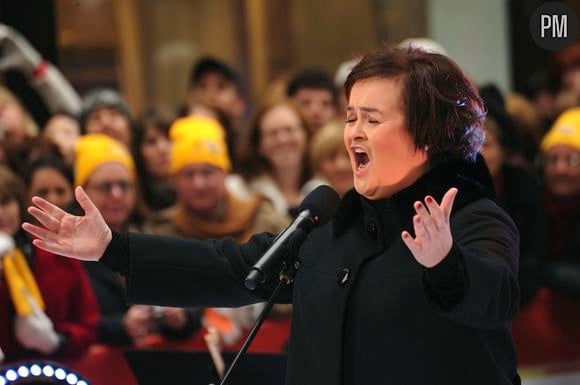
(193, 273)
(484, 265)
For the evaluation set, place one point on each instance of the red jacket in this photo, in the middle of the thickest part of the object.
(70, 305)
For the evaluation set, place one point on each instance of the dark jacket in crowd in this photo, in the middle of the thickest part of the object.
(364, 310)
(110, 293)
(519, 193)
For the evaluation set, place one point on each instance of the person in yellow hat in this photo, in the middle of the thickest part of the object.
(205, 209)
(561, 150)
(105, 169)
(47, 306)
(199, 164)
(551, 320)
(561, 153)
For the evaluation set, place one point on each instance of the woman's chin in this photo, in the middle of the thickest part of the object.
(364, 189)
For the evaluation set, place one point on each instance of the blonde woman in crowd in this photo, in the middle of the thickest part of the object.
(15, 123)
(330, 159)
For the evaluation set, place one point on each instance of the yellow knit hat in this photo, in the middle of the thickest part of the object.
(565, 131)
(94, 150)
(198, 139)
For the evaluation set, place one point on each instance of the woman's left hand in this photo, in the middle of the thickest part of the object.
(433, 238)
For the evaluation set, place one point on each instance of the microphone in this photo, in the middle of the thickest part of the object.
(315, 210)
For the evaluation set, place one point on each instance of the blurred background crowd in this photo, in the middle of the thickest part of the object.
(214, 119)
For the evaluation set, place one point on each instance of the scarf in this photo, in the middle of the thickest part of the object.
(21, 284)
(237, 221)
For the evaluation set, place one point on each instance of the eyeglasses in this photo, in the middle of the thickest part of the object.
(570, 160)
(106, 187)
(275, 132)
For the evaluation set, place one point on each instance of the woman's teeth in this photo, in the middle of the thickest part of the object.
(361, 157)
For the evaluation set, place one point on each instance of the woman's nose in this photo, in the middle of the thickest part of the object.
(354, 131)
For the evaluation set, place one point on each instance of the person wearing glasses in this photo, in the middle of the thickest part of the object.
(105, 169)
(274, 159)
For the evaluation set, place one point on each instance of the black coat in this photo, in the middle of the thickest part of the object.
(365, 312)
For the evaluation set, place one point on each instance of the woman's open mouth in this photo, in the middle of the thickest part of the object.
(361, 159)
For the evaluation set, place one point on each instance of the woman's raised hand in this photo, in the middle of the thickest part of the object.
(433, 239)
(81, 237)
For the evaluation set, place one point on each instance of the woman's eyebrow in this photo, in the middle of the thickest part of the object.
(364, 109)
(371, 109)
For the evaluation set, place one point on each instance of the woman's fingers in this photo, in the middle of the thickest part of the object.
(410, 242)
(51, 209)
(85, 202)
(435, 211)
(46, 220)
(39, 232)
(432, 231)
(421, 233)
(447, 202)
(51, 246)
(425, 220)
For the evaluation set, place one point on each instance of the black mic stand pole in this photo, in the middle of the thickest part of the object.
(287, 274)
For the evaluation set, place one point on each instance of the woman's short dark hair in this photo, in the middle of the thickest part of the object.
(442, 108)
(48, 161)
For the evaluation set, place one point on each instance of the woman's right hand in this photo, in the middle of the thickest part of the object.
(81, 237)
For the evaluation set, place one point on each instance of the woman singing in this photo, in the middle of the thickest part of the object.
(413, 281)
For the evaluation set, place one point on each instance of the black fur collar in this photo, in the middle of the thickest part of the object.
(472, 179)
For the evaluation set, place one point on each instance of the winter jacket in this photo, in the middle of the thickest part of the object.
(364, 310)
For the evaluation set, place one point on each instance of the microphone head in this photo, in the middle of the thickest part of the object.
(322, 203)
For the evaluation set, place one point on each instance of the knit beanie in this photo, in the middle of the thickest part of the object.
(565, 131)
(198, 139)
(94, 150)
(102, 97)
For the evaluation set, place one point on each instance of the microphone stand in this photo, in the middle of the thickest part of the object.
(287, 274)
